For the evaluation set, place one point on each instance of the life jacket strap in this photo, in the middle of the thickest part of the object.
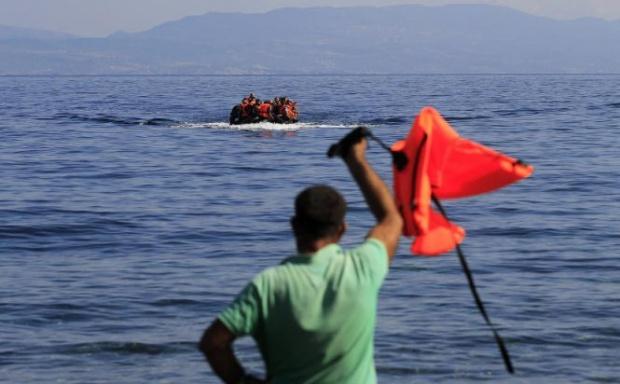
(472, 287)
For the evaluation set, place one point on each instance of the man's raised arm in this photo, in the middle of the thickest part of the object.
(378, 197)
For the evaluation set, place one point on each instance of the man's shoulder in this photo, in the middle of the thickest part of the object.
(371, 249)
(266, 274)
(371, 260)
(370, 246)
(272, 275)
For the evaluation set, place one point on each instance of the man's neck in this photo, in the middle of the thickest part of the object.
(313, 246)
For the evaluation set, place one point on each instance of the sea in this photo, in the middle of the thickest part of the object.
(132, 213)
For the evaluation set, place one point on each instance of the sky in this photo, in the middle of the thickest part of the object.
(96, 18)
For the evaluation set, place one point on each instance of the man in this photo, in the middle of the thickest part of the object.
(313, 316)
(265, 111)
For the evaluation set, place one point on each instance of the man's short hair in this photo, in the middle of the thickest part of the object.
(319, 211)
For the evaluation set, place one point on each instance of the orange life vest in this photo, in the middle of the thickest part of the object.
(264, 111)
(289, 112)
(245, 109)
(442, 164)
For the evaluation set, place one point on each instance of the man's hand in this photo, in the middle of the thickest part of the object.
(343, 147)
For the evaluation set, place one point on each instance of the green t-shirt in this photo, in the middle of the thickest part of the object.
(313, 316)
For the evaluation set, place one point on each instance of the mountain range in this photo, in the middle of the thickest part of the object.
(353, 40)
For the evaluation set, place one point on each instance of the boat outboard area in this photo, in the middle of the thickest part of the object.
(279, 110)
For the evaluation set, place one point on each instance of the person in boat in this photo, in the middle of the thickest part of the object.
(275, 110)
(280, 110)
(286, 112)
(291, 110)
(249, 109)
(252, 99)
(313, 316)
(265, 111)
(244, 107)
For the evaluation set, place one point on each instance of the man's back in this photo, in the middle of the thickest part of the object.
(313, 316)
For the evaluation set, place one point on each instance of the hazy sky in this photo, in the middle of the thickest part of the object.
(102, 17)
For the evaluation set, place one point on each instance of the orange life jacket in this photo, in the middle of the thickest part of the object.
(289, 111)
(292, 111)
(442, 164)
(245, 109)
(264, 111)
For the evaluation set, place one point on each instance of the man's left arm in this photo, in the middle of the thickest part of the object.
(217, 346)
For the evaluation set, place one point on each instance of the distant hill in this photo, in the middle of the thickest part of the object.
(18, 33)
(395, 39)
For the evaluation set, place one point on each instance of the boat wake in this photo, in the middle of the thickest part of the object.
(101, 118)
(263, 126)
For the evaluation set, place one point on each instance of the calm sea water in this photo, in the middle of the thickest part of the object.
(131, 213)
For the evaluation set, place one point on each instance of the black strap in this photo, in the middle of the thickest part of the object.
(399, 158)
(342, 147)
(472, 287)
